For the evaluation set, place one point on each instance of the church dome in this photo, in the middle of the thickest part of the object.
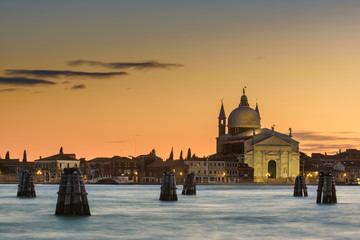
(243, 117)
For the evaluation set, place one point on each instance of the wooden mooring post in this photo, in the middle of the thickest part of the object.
(189, 185)
(26, 187)
(300, 188)
(326, 192)
(168, 187)
(72, 196)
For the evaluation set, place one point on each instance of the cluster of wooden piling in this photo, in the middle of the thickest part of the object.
(300, 188)
(189, 185)
(72, 196)
(168, 187)
(26, 187)
(326, 192)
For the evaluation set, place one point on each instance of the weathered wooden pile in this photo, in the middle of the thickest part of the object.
(168, 187)
(72, 196)
(326, 192)
(189, 185)
(300, 188)
(26, 187)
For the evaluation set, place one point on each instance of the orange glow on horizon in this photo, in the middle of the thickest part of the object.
(298, 62)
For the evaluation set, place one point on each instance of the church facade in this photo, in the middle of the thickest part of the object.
(273, 155)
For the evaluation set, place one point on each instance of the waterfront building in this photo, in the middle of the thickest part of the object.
(232, 170)
(51, 167)
(151, 168)
(246, 173)
(200, 168)
(344, 165)
(11, 167)
(153, 172)
(207, 170)
(119, 169)
(274, 156)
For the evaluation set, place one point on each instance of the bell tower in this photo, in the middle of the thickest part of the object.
(222, 120)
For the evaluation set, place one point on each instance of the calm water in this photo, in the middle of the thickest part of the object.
(217, 212)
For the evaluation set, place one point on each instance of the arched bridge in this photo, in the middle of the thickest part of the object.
(110, 180)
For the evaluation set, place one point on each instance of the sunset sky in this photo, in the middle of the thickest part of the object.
(104, 78)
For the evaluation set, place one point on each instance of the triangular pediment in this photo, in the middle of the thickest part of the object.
(272, 141)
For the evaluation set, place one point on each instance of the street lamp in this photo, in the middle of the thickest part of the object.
(267, 177)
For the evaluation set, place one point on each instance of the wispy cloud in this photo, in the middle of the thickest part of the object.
(24, 81)
(317, 136)
(9, 89)
(123, 65)
(57, 73)
(310, 147)
(77, 87)
(331, 142)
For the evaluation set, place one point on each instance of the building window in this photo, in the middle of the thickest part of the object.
(215, 172)
(204, 163)
(223, 164)
(199, 171)
(204, 171)
(210, 164)
(198, 164)
(210, 172)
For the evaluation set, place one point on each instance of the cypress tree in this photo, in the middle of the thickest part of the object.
(7, 157)
(181, 155)
(171, 157)
(24, 156)
(189, 154)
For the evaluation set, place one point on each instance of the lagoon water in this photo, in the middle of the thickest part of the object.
(216, 212)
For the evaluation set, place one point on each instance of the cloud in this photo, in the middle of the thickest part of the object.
(66, 82)
(310, 147)
(317, 136)
(122, 65)
(77, 87)
(311, 141)
(24, 81)
(9, 89)
(56, 73)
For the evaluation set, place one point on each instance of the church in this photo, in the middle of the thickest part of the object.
(273, 155)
